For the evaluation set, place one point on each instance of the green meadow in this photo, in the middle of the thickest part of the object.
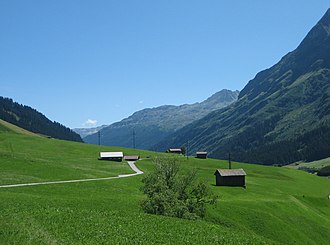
(279, 205)
(311, 166)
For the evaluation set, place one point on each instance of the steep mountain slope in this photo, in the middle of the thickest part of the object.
(32, 120)
(281, 116)
(154, 124)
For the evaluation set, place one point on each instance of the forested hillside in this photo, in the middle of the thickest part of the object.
(34, 121)
(281, 116)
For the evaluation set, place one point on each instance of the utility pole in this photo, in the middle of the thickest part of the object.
(187, 149)
(133, 138)
(99, 136)
(229, 161)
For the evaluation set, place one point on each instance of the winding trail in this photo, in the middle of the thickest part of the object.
(130, 163)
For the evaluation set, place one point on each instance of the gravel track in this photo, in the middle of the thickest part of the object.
(130, 163)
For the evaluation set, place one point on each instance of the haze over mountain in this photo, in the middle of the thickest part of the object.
(83, 132)
(34, 121)
(154, 124)
(281, 116)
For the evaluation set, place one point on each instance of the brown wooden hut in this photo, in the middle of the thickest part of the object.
(131, 158)
(230, 177)
(201, 154)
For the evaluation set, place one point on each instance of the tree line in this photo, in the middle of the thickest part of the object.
(34, 121)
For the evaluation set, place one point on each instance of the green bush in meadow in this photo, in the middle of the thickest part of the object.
(172, 193)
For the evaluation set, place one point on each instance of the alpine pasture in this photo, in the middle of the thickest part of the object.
(279, 205)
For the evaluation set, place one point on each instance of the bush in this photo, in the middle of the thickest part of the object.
(325, 171)
(172, 194)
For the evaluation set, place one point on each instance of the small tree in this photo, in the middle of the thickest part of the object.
(172, 194)
(183, 150)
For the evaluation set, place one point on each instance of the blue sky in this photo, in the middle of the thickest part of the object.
(102, 60)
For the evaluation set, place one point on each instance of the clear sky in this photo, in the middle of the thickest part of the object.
(94, 62)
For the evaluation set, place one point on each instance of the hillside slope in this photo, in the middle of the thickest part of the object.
(26, 157)
(281, 116)
(32, 120)
(153, 124)
(279, 205)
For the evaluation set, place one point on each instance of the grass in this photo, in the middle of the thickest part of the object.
(29, 158)
(6, 126)
(312, 167)
(280, 205)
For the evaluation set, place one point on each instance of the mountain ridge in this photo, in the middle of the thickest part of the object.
(281, 116)
(152, 124)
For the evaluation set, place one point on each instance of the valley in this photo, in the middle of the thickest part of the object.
(279, 205)
(240, 167)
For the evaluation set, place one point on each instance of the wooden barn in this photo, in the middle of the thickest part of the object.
(131, 158)
(174, 150)
(111, 156)
(201, 154)
(230, 177)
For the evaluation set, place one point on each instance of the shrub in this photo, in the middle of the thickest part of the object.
(325, 171)
(172, 194)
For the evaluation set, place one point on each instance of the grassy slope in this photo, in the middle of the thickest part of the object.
(312, 166)
(279, 205)
(6, 126)
(27, 159)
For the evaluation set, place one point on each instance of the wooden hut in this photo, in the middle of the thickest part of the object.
(174, 150)
(230, 177)
(131, 158)
(111, 156)
(201, 154)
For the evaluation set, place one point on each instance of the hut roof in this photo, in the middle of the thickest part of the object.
(132, 158)
(201, 153)
(230, 172)
(175, 149)
(111, 154)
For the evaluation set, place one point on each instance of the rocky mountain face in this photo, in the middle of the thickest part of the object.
(281, 116)
(83, 132)
(154, 124)
(30, 119)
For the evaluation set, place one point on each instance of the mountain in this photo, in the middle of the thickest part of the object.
(154, 124)
(281, 116)
(32, 120)
(83, 132)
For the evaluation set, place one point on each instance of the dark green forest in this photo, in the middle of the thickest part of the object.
(30, 119)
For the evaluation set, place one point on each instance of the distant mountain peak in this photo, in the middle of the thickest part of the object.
(222, 96)
(153, 124)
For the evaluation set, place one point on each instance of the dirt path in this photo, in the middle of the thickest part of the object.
(131, 164)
